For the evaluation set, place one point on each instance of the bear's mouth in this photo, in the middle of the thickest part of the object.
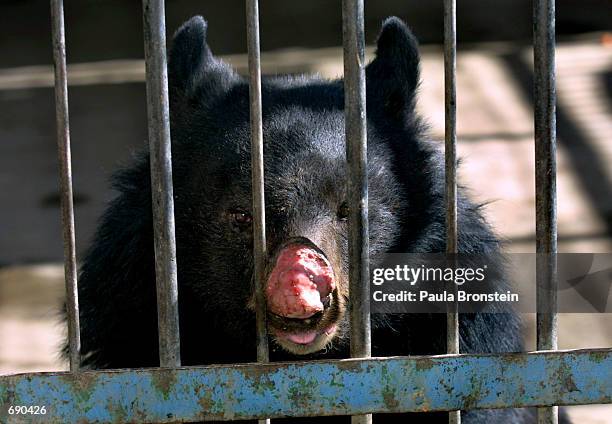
(304, 342)
(309, 334)
(301, 294)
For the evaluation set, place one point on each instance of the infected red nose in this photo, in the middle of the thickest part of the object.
(301, 278)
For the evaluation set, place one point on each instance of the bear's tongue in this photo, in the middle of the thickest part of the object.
(301, 278)
(302, 338)
(305, 337)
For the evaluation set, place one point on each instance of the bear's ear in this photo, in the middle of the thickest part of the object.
(393, 76)
(192, 66)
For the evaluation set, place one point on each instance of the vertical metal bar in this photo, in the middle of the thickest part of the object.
(65, 174)
(161, 182)
(257, 164)
(356, 154)
(259, 213)
(450, 164)
(450, 152)
(545, 181)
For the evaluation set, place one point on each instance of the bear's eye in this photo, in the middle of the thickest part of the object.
(343, 211)
(241, 219)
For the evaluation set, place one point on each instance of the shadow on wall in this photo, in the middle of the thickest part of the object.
(588, 165)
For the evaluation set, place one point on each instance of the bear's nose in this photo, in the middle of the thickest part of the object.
(299, 283)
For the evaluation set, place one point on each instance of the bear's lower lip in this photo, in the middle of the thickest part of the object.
(305, 337)
(302, 338)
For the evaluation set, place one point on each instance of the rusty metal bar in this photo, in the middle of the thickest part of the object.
(545, 181)
(356, 155)
(340, 387)
(450, 166)
(65, 175)
(450, 152)
(546, 164)
(257, 164)
(259, 212)
(161, 182)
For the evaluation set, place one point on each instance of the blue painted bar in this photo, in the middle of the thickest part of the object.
(345, 387)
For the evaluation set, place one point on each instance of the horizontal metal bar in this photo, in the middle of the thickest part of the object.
(65, 174)
(341, 387)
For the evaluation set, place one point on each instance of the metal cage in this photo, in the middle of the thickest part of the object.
(359, 386)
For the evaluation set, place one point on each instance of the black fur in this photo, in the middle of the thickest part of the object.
(305, 183)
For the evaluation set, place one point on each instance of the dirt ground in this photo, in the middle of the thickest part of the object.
(495, 141)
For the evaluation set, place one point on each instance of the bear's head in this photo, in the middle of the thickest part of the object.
(306, 181)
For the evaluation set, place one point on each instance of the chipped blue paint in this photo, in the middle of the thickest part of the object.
(313, 388)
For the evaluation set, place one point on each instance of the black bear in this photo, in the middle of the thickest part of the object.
(306, 214)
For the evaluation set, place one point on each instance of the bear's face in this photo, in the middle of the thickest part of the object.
(305, 170)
